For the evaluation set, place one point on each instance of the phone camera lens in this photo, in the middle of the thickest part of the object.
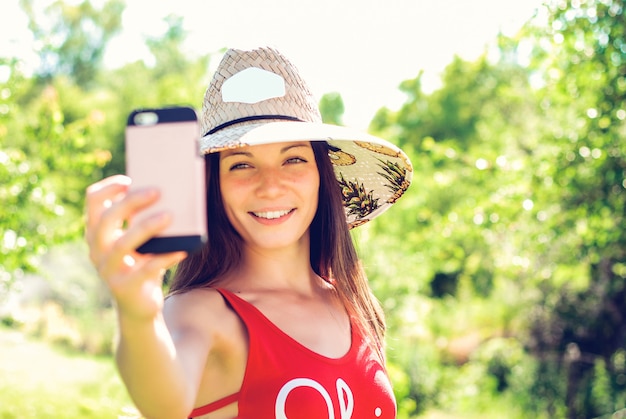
(146, 118)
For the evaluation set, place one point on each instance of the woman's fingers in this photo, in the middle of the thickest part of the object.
(120, 253)
(156, 265)
(109, 208)
(101, 195)
(113, 218)
(134, 279)
(138, 293)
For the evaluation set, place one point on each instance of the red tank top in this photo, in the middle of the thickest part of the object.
(285, 380)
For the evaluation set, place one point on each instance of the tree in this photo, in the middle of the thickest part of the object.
(518, 209)
(454, 242)
(45, 164)
(73, 36)
(173, 78)
(62, 130)
(581, 55)
(332, 108)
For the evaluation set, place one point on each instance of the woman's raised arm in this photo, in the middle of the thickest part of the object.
(160, 384)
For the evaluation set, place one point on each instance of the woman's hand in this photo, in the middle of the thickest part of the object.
(133, 278)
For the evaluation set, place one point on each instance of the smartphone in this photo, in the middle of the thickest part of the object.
(162, 151)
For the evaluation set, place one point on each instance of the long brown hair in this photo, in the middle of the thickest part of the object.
(333, 255)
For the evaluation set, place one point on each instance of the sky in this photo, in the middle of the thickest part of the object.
(362, 49)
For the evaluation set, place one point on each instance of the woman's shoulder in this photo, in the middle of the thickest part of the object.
(207, 301)
(204, 327)
(201, 309)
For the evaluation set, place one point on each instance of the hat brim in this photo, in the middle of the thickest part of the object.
(372, 172)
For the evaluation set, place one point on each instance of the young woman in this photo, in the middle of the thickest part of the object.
(274, 317)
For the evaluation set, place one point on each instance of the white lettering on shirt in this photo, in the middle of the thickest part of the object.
(344, 396)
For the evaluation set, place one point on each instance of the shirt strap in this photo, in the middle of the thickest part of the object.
(216, 405)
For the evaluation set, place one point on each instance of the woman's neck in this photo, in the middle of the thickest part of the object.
(275, 269)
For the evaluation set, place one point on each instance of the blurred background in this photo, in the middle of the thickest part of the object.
(503, 268)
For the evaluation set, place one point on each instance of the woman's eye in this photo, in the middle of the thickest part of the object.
(293, 160)
(238, 166)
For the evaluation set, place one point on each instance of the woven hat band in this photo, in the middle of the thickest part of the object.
(251, 118)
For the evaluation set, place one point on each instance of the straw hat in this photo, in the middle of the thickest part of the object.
(258, 97)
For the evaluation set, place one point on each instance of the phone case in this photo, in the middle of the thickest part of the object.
(162, 151)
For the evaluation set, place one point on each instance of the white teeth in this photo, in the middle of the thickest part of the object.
(270, 215)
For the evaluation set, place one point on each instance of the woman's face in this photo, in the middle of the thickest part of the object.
(270, 193)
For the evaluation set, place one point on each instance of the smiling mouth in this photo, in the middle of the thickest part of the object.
(271, 215)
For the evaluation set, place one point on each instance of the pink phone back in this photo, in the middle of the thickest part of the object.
(166, 156)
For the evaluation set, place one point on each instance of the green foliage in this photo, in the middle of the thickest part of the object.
(173, 79)
(60, 133)
(73, 37)
(582, 52)
(332, 108)
(517, 210)
(45, 164)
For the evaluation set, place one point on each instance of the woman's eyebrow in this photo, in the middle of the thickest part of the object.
(290, 146)
(234, 153)
(237, 153)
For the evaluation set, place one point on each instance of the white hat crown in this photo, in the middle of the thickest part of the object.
(243, 74)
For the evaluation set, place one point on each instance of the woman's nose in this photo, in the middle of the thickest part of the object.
(270, 182)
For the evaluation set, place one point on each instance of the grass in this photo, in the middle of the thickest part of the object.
(39, 381)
